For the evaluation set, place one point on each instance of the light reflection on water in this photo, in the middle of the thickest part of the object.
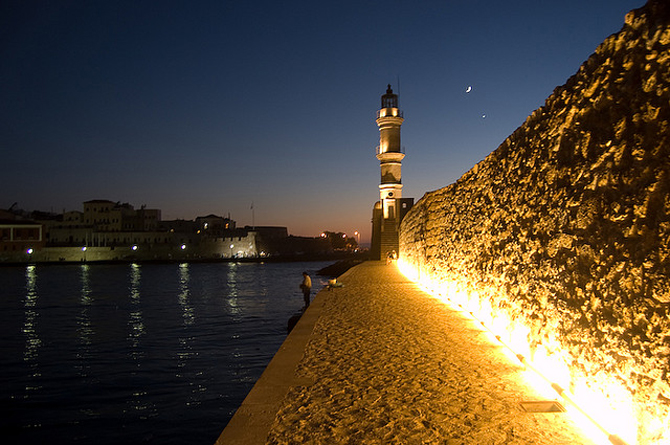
(232, 289)
(84, 327)
(33, 342)
(139, 402)
(135, 322)
(185, 352)
(137, 353)
(188, 313)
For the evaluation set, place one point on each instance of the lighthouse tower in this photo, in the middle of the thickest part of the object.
(391, 208)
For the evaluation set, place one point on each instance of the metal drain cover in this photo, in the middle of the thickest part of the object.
(542, 406)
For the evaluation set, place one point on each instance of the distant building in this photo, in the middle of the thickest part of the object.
(275, 241)
(178, 225)
(213, 225)
(113, 231)
(391, 208)
(111, 216)
(73, 217)
(20, 237)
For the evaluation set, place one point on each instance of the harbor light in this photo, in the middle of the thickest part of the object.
(30, 251)
(599, 407)
(83, 249)
(183, 247)
(134, 247)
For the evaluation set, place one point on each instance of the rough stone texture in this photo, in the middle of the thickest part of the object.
(566, 226)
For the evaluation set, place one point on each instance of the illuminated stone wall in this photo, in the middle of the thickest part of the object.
(565, 228)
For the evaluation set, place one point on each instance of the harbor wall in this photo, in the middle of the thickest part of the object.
(562, 235)
(205, 249)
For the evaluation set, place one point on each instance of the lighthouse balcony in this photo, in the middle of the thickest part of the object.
(389, 112)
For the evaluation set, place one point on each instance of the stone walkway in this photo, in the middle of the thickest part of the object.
(388, 364)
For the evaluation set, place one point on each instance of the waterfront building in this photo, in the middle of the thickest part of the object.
(20, 237)
(213, 225)
(109, 216)
(389, 211)
(73, 217)
(111, 231)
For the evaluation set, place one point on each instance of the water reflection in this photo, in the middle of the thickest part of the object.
(84, 327)
(136, 323)
(184, 292)
(185, 352)
(110, 339)
(33, 342)
(139, 402)
(232, 290)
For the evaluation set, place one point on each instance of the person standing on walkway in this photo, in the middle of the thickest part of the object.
(306, 287)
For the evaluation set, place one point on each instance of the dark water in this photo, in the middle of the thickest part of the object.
(137, 353)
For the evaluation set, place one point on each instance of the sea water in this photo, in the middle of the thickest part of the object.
(138, 353)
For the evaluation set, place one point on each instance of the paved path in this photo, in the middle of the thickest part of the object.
(381, 362)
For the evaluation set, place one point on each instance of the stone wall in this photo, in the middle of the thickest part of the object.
(565, 228)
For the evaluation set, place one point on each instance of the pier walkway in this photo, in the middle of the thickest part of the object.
(379, 361)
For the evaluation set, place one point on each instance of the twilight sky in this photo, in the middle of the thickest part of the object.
(207, 106)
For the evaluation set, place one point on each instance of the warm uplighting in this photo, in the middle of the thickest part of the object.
(392, 112)
(602, 407)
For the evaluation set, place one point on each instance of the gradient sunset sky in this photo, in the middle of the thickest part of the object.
(207, 106)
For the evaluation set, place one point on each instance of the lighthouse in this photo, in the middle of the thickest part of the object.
(391, 207)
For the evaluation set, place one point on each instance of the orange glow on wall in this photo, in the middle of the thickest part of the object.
(599, 403)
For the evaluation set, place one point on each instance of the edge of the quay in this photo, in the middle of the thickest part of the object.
(252, 421)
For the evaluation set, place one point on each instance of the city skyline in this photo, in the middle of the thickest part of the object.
(208, 108)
